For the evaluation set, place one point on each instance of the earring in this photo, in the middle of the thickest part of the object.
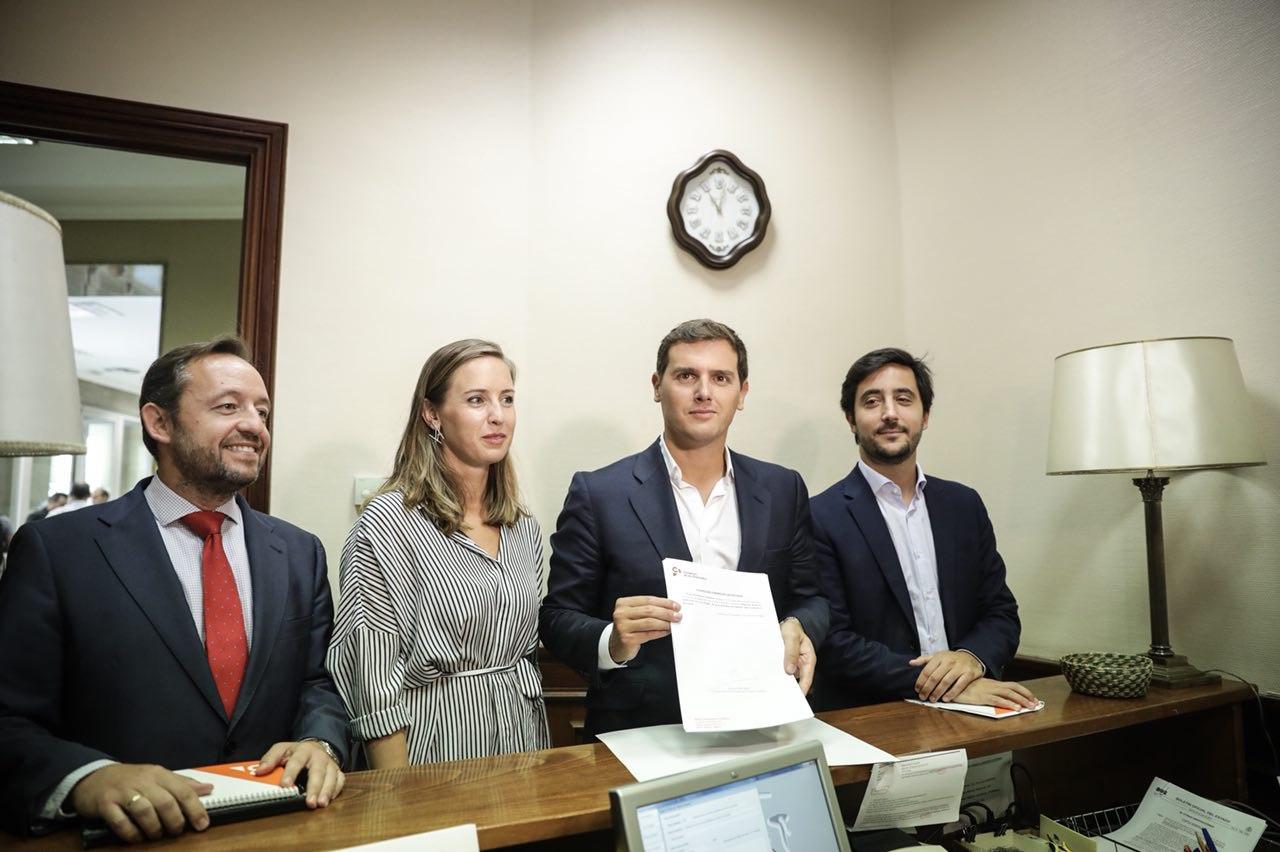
(436, 435)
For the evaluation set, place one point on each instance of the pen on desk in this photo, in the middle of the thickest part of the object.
(1186, 848)
(1201, 844)
(1209, 840)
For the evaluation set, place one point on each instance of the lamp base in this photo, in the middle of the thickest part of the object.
(1174, 672)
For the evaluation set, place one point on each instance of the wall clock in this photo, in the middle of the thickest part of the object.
(719, 209)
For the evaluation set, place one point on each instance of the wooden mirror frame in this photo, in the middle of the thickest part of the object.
(259, 146)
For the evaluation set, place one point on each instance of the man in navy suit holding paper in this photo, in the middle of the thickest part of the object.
(919, 603)
(686, 497)
(171, 628)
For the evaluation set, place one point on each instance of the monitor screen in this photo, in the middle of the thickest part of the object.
(780, 811)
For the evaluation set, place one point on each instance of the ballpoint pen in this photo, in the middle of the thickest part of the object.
(1209, 840)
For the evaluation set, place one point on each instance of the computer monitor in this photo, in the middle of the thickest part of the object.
(779, 800)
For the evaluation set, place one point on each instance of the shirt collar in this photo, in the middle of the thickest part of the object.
(878, 480)
(673, 469)
(169, 506)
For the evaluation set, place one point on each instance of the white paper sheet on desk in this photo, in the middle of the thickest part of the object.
(1171, 817)
(459, 838)
(920, 789)
(663, 750)
(978, 709)
(728, 651)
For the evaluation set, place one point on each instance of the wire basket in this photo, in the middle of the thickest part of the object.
(1101, 822)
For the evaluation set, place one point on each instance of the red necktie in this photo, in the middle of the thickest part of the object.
(224, 640)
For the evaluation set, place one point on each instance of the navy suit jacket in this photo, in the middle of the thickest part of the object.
(617, 525)
(873, 630)
(101, 659)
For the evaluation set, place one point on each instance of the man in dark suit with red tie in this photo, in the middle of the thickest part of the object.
(173, 627)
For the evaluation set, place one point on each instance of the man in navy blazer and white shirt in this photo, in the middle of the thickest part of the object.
(919, 603)
(686, 497)
(174, 626)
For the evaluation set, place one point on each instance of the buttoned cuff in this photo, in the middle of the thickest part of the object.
(981, 664)
(604, 662)
(53, 806)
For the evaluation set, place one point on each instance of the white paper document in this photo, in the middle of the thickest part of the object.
(922, 789)
(459, 838)
(987, 780)
(728, 651)
(978, 709)
(662, 750)
(1170, 818)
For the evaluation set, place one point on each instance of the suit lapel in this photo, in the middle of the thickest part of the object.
(655, 506)
(866, 514)
(942, 523)
(753, 515)
(132, 546)
(269, 571)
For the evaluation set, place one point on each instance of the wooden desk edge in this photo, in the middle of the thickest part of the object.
(896, 727)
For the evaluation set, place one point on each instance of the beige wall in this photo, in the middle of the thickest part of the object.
(201, 260)
(1085, 173)
(1068, 176)
(501, 170)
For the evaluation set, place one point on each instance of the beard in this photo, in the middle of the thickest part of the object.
(204, 468)
(877, 453)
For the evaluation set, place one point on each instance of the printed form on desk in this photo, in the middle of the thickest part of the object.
(1171, 819)
(920, 789)
(728, 651)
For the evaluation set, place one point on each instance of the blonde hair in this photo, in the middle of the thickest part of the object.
(420, 473)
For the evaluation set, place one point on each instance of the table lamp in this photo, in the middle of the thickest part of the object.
(39, 393)
(1150, 407)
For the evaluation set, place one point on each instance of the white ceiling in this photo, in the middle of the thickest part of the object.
(77, 182)
(116, 338)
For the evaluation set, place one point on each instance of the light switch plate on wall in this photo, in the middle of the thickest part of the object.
(365, 488)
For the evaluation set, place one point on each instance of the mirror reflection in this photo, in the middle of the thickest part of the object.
(152, 246)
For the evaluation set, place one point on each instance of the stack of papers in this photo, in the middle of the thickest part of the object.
(978, 709)
(663, 750)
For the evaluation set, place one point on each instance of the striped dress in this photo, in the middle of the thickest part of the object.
(435, 636)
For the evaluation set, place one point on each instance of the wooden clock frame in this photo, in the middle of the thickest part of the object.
(693, 246)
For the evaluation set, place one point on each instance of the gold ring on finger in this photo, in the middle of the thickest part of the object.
(133, 800)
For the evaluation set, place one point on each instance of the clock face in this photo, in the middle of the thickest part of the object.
(718, 209)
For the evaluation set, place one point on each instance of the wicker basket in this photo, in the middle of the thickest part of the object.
(1108, 675)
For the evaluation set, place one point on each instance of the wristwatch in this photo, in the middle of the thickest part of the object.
(328, 749)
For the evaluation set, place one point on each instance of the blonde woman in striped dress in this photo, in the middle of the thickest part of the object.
(437, 630)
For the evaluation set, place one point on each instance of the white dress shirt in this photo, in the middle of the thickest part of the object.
(912, 536)
(711, 529)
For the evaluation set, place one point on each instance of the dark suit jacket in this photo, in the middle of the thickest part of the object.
(617, 525)
(101, 659)
(873, 631)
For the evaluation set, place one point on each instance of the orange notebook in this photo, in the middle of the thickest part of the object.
(237, 795)
(235, 784)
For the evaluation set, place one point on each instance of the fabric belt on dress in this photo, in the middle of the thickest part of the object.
(474, 672)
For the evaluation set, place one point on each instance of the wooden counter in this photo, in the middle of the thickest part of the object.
(1081, 750)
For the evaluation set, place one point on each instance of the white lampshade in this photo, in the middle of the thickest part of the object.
(1174, 404)
(39, 394)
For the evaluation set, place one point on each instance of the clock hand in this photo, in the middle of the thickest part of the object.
(714, 203)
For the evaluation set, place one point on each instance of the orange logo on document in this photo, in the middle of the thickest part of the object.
(245, 772)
